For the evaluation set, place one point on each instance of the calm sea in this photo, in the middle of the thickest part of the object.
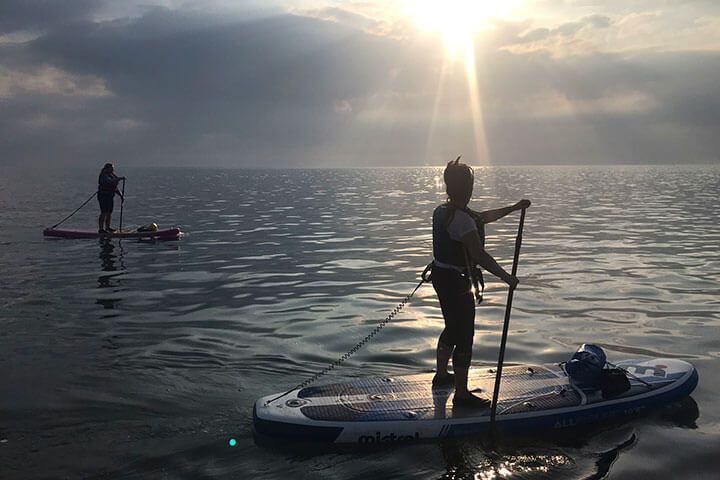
(123, 359)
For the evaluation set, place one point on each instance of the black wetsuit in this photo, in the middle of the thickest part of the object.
(454, 288)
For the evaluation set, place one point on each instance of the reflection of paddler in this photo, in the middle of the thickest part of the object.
(457, 248)
(107, 258)
(107, 188)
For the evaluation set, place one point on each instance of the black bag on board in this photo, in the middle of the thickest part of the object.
(612, 382)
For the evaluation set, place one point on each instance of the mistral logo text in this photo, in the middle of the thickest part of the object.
(389, 438)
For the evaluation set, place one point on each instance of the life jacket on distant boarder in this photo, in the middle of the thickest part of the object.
(588, 369)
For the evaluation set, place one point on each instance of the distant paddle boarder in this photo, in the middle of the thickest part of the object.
(459, 245)
(107, 188)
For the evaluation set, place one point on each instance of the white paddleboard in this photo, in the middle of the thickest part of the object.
(406, 408)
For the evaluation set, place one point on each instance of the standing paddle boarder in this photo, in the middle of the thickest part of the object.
(459, 245)
(107, 188)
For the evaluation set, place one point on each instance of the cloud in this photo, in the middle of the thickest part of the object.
(271, 84)
(350, 18)
(621, 27)
(174, 86)
(49, 81)
(343, 106)
(18, 15)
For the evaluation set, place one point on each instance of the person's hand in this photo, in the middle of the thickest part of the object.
(512, 281)
(523, 204)
(122, 178)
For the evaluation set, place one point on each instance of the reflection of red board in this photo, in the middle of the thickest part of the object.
(167, 234)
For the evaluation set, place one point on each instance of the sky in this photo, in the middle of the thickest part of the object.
(359, 83)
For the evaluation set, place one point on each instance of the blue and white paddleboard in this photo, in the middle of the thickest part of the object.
(407, 408)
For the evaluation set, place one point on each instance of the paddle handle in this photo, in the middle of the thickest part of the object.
(506, 325)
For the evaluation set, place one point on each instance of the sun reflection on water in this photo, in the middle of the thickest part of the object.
(494, 467)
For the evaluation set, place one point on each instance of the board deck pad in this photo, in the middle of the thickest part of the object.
(531, 397)
(395, 398)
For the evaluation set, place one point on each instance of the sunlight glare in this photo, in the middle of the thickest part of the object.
(456, 20)
(458, 23)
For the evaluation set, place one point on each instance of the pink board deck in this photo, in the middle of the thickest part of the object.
(167, 234)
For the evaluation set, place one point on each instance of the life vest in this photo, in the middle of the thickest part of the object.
(108, 184)
(452, 252)
(445, 249)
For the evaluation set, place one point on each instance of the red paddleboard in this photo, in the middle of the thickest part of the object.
(167, 234)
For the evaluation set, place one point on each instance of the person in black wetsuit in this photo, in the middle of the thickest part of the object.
(458, 245)
(107, 188)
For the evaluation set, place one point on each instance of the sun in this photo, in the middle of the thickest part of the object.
(457, 21)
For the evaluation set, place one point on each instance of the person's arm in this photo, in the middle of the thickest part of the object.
(472, 243)
(490, 216)
(117, 179)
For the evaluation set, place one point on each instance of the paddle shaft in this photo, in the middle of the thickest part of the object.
(122, 203)
(501, 356)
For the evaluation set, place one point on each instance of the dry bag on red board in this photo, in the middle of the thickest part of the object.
(585, 366)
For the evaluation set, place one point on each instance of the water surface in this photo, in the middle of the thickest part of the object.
(126, 359)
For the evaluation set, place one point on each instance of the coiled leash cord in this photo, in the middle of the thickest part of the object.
(424, 277)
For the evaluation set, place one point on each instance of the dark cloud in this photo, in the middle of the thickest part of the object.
(268, 85)
(598, 21)
(16, 15)
(675, 123)
(173, 87)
